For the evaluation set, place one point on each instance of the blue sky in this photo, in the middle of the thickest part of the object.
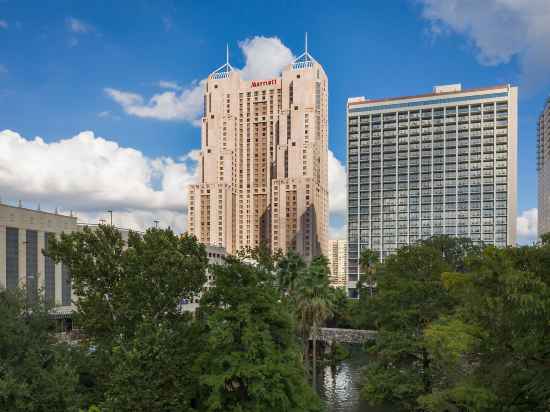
(68, 67)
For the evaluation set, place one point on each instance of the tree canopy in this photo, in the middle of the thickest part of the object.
(461, 328)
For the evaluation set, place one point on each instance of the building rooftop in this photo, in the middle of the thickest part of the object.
(25, 209)
(438, 91)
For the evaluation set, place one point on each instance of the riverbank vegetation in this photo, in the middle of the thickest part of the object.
(245, 348)
(460, 328)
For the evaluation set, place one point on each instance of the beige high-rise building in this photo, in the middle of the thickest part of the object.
(263, 161)
(543, 167)
(338, 262)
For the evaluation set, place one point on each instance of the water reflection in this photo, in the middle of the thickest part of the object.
(339, 385)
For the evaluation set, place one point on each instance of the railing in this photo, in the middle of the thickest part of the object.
(302, 65)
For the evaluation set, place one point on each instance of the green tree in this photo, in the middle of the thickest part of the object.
(36, 373)
(493, 352)
(249, 358)
(122, 285)
(290, 269)
(410, 295)
(313, 305)
(129, 310)
(153, 371)
(343, 309)
(368, 261)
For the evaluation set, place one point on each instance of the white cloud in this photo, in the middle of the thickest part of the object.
(500, 30)
(79, 26)
(89, 175)
(165, 84)
(124, 98)
(186, 106)
(265, 58)
(3, 24)
(527, 226)
(337, 185)
(106, 114)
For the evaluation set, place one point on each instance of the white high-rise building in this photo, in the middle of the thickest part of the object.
(338, 262)
(438, 163)
(543, 167)
(263, 161)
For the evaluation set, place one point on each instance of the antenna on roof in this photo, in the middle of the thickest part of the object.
(305, 59)
(224, 71)
(227, 53)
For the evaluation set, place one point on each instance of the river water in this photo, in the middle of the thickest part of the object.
(339, 386)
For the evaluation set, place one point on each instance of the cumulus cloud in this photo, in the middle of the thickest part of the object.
(265, 57)
(165, 84)
(3, 24)
(90, 174)
(186, 106)
(337, 183)
(499, 30)
(78, 26)
(527, 226)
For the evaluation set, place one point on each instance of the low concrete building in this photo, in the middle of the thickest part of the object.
(23, 237)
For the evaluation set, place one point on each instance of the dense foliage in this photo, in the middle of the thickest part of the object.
(142, 352)
(36, 373)
(460, 328)
(249, 360)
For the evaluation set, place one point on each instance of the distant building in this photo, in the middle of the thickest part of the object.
(438, 163)
(264, 161)
(543, 167)
(338, 259)
(216, 256)
(23, 236)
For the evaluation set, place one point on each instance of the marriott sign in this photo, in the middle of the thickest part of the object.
(264, 83)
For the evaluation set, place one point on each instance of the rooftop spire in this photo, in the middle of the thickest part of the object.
(223, 71)
(305, 59)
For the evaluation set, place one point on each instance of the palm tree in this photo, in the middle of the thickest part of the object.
(289, 269)
(313, 306)
(368, 261)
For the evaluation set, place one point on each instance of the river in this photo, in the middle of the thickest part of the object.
(339, 386)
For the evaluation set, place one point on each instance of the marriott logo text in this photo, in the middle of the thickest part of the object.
(264, 83)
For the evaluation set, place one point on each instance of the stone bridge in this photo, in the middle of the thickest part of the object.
(330, 335)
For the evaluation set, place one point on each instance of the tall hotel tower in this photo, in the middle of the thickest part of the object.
(543, 167)
(263, 161)
(439, 163)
